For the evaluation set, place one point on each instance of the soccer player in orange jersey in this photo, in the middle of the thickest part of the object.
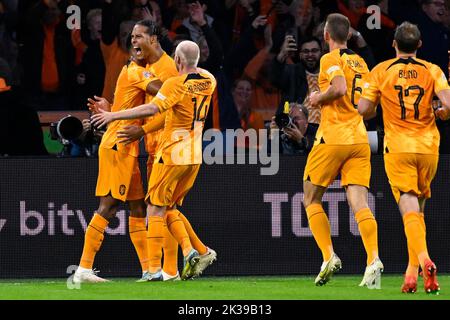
(185, 99)
(119, 177)
(405, 87)
(163, 67)
(341, 147)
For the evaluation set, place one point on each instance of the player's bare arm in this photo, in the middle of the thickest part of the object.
(337, 89)
(153, 87)
(367, 108)
(104, 117)
(443, 112)
(129, 134)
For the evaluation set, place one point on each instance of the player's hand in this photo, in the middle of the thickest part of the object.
(293, 133)
(442, 113)
(101, 118)
(314, 98)
(129, 134)
(98, 103)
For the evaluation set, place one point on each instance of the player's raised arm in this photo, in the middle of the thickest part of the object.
(103, 117)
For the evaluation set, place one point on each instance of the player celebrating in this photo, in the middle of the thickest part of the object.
(186, 100)
(341, 146)
(405, 86)
(119, 178)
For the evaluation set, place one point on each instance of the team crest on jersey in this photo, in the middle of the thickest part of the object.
(147, 74)
(122, 189)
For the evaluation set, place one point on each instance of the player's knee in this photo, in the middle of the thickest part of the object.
(107, 210)
(138, 208)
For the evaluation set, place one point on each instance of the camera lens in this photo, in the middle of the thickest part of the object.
(283, 120)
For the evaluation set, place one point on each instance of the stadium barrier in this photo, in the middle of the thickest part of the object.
(256, 223)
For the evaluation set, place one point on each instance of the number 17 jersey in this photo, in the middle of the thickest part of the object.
(405, 88)
(340, 123)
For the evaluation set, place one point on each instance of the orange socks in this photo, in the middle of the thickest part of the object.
(415, 235)
(178, 230)
(155, 237)
(196, 242)
(320, 228)
(170, 246)
(413, 260)
(138, 235)
(93, 239)
(368, 230)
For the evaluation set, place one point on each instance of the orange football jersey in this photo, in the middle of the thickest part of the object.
(340, 123)
(186, 100)
(130, 92)
(405, 88)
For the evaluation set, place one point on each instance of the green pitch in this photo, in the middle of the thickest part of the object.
(341, 287)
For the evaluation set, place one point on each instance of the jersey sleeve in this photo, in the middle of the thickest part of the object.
(169, 95)
(331, 67)
(439, 78)
(139, 77)
(371, 90)
(164, 68)
(154, 123)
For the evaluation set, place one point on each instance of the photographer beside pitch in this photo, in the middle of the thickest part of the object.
(405, 87)
(297, 136)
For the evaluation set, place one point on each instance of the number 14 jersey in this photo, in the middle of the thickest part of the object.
(340, 123)
(405, 88)
(186, 99)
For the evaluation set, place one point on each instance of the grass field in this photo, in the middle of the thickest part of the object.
(341, 287)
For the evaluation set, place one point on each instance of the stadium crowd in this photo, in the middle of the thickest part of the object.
(263, 54)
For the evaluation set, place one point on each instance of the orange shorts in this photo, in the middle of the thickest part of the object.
(410, 173)
(325, 162)
(169, 185)
(118, 174)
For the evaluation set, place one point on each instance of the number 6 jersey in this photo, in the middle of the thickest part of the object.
(186, 99)
(405, 88)
(340, 123)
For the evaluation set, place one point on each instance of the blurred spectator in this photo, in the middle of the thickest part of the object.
(8, 44)
(242, 92)
(297, 80)
(90, 73)
(114, 46)
(47, 55)
(266, 97)
(298, 19)
(20, 130)
(435, 37)
(191, 24)
(379, 39)
(298, 138)
(155, 15)
(211, 58)
(435, 46)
